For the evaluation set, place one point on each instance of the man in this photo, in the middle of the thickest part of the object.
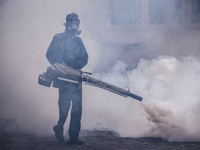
(68, 49)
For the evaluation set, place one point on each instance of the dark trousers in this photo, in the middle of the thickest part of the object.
(68, 95)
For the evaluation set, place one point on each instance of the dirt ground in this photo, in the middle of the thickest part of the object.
(94, 140)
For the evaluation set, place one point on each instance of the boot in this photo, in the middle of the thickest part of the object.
(58, 133)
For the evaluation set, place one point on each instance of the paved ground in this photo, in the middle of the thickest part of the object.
(94, 140)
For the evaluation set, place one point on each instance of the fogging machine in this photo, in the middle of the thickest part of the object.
(58, 72)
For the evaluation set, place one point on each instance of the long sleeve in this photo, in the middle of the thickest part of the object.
(83, 57)
(65, 49)
(53, 55)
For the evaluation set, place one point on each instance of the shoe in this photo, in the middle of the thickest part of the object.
(58, 133)
(75, 142)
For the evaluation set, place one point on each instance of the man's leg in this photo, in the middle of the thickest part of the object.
(64, 103)
(76, 113)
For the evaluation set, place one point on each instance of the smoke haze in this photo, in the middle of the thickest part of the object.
(165, 70)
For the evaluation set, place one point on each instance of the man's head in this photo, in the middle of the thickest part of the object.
(72, 22)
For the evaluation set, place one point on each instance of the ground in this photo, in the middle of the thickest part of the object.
(94, 140)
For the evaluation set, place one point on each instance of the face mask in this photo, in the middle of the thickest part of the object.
(75, 24)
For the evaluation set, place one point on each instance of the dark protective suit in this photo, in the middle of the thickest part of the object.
(69, 49)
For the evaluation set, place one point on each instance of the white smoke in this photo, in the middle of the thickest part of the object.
(171, 101)
(168, 84)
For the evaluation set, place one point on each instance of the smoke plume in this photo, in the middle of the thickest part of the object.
(170, 107)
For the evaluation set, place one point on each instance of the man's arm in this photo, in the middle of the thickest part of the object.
(83, 59)
(53, 54)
